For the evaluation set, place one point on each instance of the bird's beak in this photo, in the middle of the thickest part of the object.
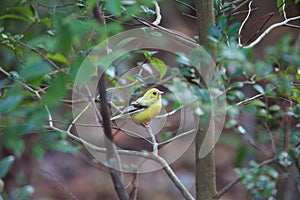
(160, 92)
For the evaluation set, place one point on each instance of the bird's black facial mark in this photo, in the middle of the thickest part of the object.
(154, 93)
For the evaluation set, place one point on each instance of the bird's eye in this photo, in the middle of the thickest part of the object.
(154, 93)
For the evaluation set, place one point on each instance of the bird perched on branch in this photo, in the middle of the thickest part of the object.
(145, 108)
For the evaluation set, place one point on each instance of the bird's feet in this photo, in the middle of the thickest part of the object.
(145, 124)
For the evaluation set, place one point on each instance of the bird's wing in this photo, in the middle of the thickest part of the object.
(136, 107)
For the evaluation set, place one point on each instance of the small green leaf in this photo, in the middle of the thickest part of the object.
(57, 57)
(274, 108)
(149, 54)
(160, 66)
(38, 151)
(215, 32)
(233, 28)
(259, 88)
(5, 165)
(296, 110)
(56, 91)
(236, 84)
(24, 192)
(12, 16)
(258, 103)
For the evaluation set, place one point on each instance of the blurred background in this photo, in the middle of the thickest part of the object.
(49, 165)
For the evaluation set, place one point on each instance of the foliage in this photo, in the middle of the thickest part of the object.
(43, 44)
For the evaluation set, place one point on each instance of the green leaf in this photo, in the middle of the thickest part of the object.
(58, 57)
(222, 22)
(215, 32)
(12, 16)
(38, 151)
(35, 70)
(160, 66)
(15, 143)
(5, 165)
(233, 28)
(296, 110)
(149, 54)
(274, 108)
(56, 91)
(259, 88)
(114, 7)
(23, 193)
(13, 98)
(236, 84)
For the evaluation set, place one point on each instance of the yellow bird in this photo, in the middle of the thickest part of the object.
(145, 108)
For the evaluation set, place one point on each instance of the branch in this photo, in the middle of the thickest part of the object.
(153, 139)
(174, 178)
(111, 151)
(268, 30)
(40, 54)
(177, 137)
(244, 22)
(158, 15)
(173, 34)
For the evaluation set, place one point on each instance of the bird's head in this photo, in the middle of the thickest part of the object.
(153, 94)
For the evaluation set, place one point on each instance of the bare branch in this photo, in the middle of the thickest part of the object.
(174, 178)
(153, 139)
(177, 137)
(268, 30)
(158, 15)
(111, 151)
(244, 22)
(283, 9)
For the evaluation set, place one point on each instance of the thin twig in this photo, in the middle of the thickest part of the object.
(153, 139)
(268, 30)
(177, 137)
(158, 15)
(244, 22)
(40, 54)
(174, 178)
(283, 9)
(175, 35)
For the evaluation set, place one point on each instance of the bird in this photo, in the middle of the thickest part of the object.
(145, 108)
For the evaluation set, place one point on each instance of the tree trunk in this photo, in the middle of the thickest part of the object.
(205, 167)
